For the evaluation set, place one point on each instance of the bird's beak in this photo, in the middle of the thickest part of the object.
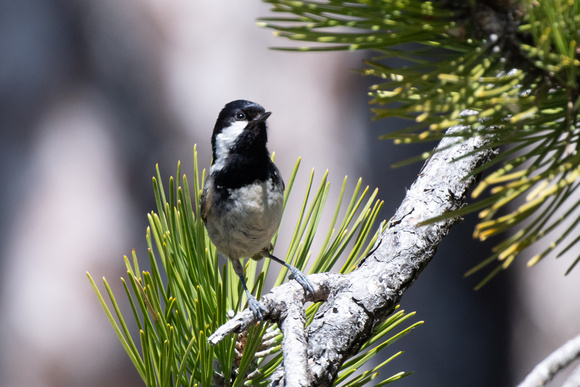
(262, 117)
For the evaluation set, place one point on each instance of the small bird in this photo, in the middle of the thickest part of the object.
(242, 199)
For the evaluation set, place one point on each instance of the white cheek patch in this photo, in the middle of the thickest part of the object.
(224, 141)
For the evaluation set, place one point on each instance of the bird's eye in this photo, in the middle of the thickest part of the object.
(240, 116)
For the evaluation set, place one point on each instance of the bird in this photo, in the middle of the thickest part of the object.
(243, 196)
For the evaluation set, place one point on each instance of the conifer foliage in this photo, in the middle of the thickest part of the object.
(503, 69)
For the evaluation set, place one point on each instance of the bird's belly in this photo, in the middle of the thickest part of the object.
(246, 222)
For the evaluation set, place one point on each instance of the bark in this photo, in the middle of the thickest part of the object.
(545, 371)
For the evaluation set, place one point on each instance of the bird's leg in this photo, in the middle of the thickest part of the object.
(296, 274)
(254, 305)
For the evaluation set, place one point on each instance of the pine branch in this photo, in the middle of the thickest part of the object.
(513, 65)
(354, 304)
(574, 379)
(545, 371)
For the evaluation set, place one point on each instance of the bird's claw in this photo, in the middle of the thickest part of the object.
(302, 280)
(256, 308)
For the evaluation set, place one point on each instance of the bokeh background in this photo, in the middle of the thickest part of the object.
(93, 94)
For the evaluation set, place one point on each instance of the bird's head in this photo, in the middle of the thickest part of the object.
(240, 127)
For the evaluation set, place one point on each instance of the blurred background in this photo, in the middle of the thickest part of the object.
(93, 94)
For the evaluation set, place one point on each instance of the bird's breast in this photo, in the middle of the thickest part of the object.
(242, 221)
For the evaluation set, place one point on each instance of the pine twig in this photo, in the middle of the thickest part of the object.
(550, 366)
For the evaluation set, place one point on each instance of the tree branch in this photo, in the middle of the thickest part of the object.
(348, 317)
(276, 303)
(354, 304)
(550, 366)
(574, 378)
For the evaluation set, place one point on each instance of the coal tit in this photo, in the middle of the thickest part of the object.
(242, 199)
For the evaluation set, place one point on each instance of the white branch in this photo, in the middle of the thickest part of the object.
(550, 366)
(294, 345)
(348, 317)
(276, 303)
(574, 378)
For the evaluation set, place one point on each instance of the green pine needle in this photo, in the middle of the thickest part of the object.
(509, 74)
(185, 297)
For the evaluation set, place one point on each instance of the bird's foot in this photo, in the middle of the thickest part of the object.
(302, 280)
(256, 307)
(294, 272)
